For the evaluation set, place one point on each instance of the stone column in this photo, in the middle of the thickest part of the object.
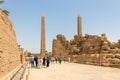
(43, 47)
(79, 22)
(118, 44)
(21, 50)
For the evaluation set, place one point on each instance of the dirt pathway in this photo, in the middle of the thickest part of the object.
(72, 71)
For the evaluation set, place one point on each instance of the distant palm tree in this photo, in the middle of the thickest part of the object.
(1, 2)
(5, 11)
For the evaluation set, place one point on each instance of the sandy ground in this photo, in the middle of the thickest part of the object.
(72, 71)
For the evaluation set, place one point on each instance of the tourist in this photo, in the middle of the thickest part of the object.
(36, 61)
(52, 59)
(44, 61)
(41, 61)
(60, 60)
(69, 59)
(32, 61)
(64, 59)
(48, 61)
(56, 59)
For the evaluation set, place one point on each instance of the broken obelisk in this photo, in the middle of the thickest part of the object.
(79, 22)
(43, 47)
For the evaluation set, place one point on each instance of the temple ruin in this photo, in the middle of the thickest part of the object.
(11, 55)
(88, 49)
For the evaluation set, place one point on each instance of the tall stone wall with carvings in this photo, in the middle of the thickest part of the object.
(9, 49)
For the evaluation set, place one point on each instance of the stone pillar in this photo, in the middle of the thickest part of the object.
(79, 22)
(21, 55)
(57, 48)
(43, 47)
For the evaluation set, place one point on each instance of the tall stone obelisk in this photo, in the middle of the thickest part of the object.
(79, 22)
(43, 47)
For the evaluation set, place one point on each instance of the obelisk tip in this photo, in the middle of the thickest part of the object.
(79, 15)
(42, 14)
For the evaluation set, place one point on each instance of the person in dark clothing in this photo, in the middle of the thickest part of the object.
(48, 61)
(44, 61)
(36, 61)
(60, 59)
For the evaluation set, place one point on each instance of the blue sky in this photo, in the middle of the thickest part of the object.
(98, 16)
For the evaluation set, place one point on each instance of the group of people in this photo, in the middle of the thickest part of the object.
(45, 61)
(55, 59)
(39, 62)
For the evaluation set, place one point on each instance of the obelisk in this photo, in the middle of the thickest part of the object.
(79, 22)
(43, 47)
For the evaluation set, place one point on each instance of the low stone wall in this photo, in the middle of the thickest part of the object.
(11, 73)
(105, 59)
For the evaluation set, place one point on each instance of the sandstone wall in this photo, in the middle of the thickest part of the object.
(60, 46)
(22, 55)
(57, 48)
(9, 49)
(105, 59)
(89, 49)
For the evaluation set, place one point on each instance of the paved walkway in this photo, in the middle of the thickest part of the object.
(72, 71)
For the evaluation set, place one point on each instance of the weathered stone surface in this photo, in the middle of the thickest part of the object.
(90, 49)
(43, 45)
(60, 46)
(9, 49)
(22, 55)
(57, 48)
(79, 21)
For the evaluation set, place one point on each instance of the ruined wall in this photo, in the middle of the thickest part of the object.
(9, 49)
(89, 49)
(103, 59)
(22, 55)
(59, 47)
